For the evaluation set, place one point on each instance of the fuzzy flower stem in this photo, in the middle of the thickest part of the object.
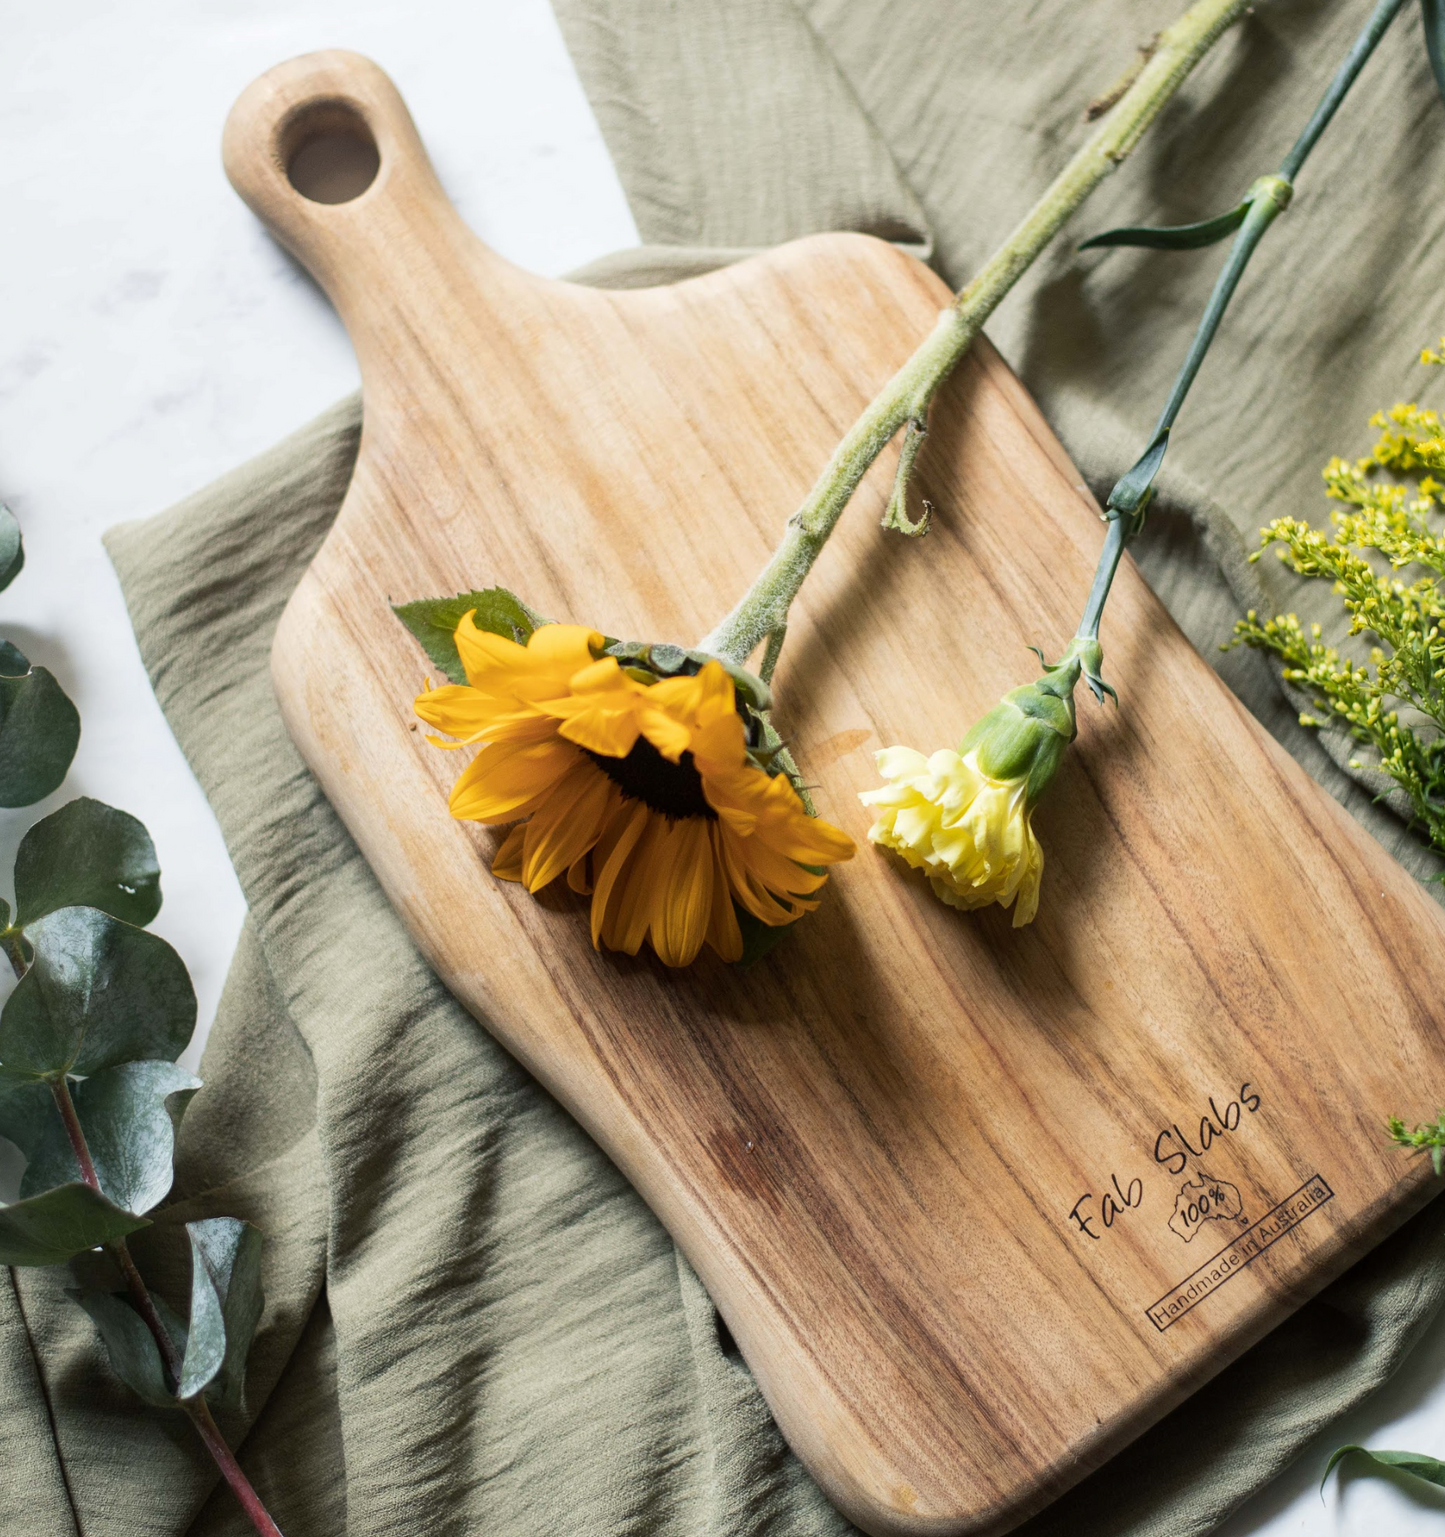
(1268, 198)
(909, 393)
(196, 1409)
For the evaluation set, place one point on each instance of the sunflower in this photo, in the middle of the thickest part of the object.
(640, 791)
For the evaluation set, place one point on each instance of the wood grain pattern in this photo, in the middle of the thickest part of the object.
(870, 1146)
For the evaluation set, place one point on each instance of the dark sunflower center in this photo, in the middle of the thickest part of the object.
(675, 789)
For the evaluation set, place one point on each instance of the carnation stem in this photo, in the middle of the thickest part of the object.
(1268, 198)
(196, 1409)
(908, 395)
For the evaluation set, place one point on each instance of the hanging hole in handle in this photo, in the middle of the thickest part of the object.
(329, 152)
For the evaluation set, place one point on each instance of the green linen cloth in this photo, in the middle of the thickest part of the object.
(473, 1323)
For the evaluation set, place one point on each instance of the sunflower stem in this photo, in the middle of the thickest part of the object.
(770, 656)
(908, 395)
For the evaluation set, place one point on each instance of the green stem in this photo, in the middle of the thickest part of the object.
(909, 393)
(199, 1413)
(1268, 198)
(10, 940)
(196, 1409)
(1354, 62)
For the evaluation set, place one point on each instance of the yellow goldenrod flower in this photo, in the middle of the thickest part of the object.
(965, 818)
(641, 792)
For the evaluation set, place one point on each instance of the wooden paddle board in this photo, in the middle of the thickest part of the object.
(978, 1205)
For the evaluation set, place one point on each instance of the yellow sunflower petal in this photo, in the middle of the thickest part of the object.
(609, 731)
(564, 829)
(508, 780)
(540, 668)
(723, 934)
(610, 859)
(719, 746)
(683, 902)
(670, 737)
(629, 911)
(749, 892)
(507, 865)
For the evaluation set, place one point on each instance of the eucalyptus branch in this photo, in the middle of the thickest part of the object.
(1269, 196)
(909, 394)
(196, 1409)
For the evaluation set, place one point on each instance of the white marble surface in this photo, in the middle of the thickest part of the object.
(151, 337)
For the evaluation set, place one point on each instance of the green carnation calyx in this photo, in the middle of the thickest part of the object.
(1025, 734)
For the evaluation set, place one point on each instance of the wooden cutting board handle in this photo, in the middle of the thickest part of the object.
(388, 242)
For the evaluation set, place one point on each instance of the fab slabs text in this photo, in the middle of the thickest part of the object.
(1202, 1199)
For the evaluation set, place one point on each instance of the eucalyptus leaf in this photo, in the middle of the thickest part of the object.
(1177, 237)
(1434, 14)
(87, 854)
(134, 1355)
(97, 994)
(51, 1228)
(1430, 1469)
(130, 1116)
(226, 1303)
(39, 731)
(433, 621)
(12, 547)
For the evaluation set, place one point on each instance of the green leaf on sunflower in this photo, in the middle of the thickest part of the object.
(12, 547)
(1417, 1464)
(130, 1115)
(98, 993)
(434, 621)
(226, 1303)
(51, 1228)
(1173, 237)
(39, 730)
(759, 938)
(87, 854)
(667, 661)
(134, 1355)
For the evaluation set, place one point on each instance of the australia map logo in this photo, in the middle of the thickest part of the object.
(1202, 1200)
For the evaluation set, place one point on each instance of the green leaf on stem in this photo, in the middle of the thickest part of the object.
(226, 1303)
(97, 994)
(1434, 13)
(1417, 1464)
(87, 854)
(52, 1228)
(1429, 1137)
(1173, 237)
(434, 621)
(130, 1116)
(39, 730)
(759, 938)
(1134, 489)
(134, 1355)
(12, 547)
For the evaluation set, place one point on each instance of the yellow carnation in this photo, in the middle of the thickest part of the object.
(965, 818)
(970, 833)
